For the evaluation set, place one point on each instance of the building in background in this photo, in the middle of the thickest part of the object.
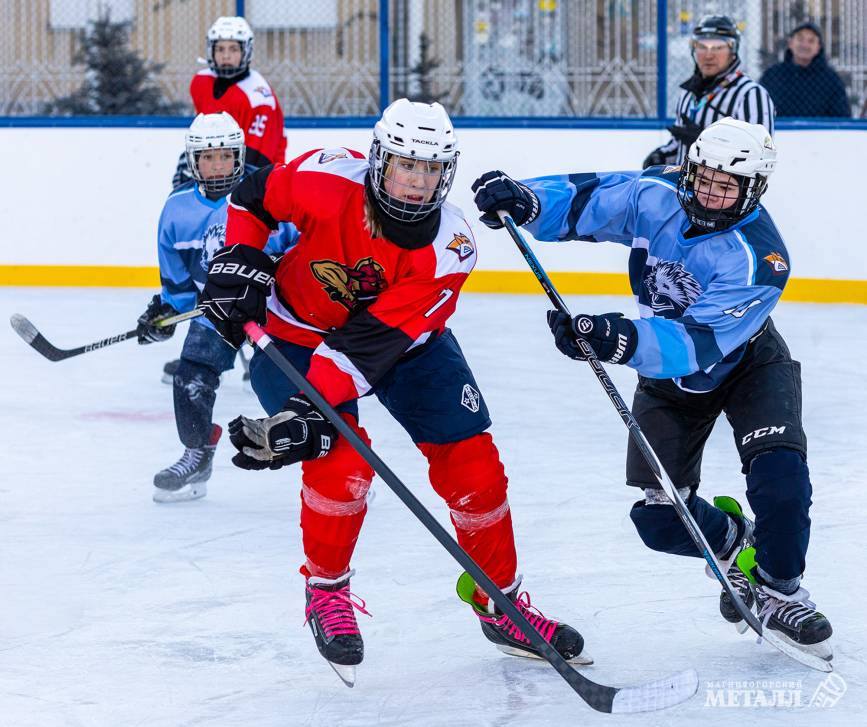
(533, 58)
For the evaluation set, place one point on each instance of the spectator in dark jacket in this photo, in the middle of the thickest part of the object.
(804, 84)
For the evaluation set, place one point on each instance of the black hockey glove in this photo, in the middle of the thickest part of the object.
(297, 433)
(612, 337)
(239, 282)
(497, 191)
(686, 132)
(656, 158)
(147, 330)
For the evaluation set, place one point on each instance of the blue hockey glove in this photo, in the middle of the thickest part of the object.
(612, 337)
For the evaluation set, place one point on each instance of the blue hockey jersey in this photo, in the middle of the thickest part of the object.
(700, 299)
(191, 229)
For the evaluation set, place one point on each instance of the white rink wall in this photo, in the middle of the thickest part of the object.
(92, 196)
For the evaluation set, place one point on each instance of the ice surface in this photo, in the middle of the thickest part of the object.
(115, 611)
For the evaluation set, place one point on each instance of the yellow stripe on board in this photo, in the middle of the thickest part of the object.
(800, 290)
(79, 276)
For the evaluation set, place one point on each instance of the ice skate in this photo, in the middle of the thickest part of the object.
(169, 370)
(739, 581)
(793, 616)
(330, 613)
(500, 630)
(186, 479)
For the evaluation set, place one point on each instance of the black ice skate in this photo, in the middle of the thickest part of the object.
(501, 631)
(794, 615)
(739, 581)
(186, 478)
(330, 613)
(169, 370)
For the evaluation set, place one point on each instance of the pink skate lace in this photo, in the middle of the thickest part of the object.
(545, 626)
(334, 609)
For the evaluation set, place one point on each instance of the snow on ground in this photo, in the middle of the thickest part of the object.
(115, 611)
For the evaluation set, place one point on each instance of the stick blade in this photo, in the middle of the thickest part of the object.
(23, 327)
(32, 336)
(656, 695)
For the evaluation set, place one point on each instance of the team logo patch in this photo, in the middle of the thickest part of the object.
(212, 240)
(330, 156)
(672, 288)
(470, 398)
(670, 169)
(777, 262)
(462, 246)
(264, 90)
(350, 286)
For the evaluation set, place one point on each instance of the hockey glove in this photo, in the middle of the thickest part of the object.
(612, 337)
(496, 191)
(239, 282)
(297, 433)
(147, 330)
(656, 158)
(686, 132)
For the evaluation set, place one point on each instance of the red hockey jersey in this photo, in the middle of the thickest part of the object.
(361, 302)
(253, 104)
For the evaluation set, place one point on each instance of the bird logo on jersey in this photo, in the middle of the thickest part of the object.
(777, 262)
(462, 246)
(330, 156)
(212, 240)
(672, 289)
(351, 287)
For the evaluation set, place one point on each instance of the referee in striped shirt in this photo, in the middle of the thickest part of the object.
(717, 88)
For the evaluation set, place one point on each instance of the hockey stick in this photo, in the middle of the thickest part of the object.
(31, 335)
(635, 432)
(642, 698)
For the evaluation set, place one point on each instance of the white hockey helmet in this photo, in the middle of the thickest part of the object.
(230, 28)
(744, 151)
(215, 131)
(418, 132)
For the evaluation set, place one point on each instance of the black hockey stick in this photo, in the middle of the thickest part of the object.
(635, 432)
(31, 335)
(642, 698)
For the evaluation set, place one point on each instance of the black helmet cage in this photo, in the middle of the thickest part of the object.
(750, 191)
(246, 56)
(218, 185)
(380, 159)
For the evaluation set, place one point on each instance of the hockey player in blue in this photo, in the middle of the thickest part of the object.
(707, 266)
(192, 228)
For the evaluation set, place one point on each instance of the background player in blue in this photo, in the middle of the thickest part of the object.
(707, 267)
(192, 227)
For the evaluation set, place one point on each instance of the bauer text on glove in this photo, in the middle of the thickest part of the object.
(297, 433)
(612, 337)
(236, 291)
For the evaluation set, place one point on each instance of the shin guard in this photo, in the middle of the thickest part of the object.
(333, 506)
(469, 476)
(779, 492)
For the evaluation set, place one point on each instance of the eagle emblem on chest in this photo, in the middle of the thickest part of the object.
(352, 287)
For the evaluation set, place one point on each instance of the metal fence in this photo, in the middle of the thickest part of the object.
(485, 58)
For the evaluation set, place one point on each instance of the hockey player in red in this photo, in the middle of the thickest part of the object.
(230, 85)
(361, 305)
